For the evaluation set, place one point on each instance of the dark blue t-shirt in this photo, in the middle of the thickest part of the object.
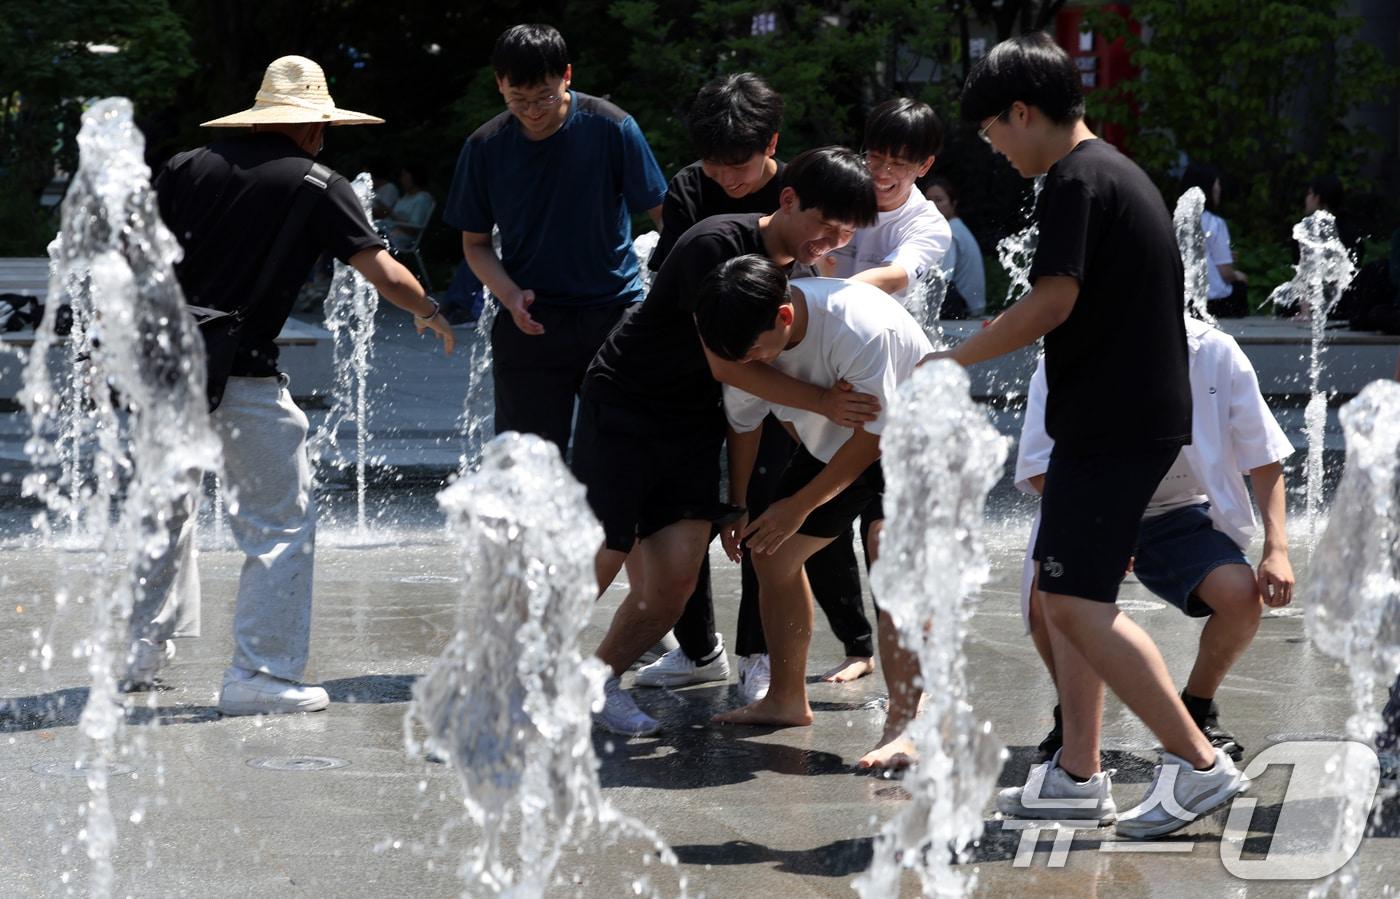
(562, 203)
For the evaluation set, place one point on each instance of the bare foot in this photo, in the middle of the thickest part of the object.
(892, 754)
(769, 711)
(852, 669)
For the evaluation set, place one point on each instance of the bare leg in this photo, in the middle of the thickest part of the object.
(1129, 662)
(607, 564)
(1081, 703)
(671, 558)
(902, 684)
(1234, 595)
(785, 601)
(1040, 634)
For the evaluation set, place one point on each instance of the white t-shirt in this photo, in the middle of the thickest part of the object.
(1179, 489)
(915, 236)
(964, 262)
(855, 331)
(1217, 254)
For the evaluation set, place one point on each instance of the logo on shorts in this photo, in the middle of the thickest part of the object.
(1212, 391)
(1051, 567)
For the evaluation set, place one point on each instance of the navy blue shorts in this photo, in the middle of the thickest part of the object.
(1177, 550)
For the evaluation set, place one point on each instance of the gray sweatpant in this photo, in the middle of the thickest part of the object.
(272, 507)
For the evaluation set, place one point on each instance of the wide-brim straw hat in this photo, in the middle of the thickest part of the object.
(293, 92)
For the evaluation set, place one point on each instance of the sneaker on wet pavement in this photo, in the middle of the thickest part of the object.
(256, 693)
(755, 674)
(1050, 793)
(1179, 794)
(144, 661)
(676, 669)
(621, 715)
(663, 646)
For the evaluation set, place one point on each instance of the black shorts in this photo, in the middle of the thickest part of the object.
(861, 498)
(644, 472)
(1089, 517)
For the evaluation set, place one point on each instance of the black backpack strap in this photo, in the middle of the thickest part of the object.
(313, 184)
(221, 335)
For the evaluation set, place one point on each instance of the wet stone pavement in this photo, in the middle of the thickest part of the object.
(331, 805)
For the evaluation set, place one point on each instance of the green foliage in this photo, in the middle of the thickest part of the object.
(1267, 261)
(1232, 82)
(55, 56)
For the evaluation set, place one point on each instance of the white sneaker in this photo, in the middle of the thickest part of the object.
(1180, 794)
(755, 674)
(676, 669)
(620, 713)
(263, 694)
(1052, 794)
(143, 661)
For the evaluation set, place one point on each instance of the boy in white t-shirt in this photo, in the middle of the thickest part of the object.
(910, 237)
(823, 331)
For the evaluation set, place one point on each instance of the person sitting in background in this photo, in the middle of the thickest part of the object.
(967, 280)
(1226, 285)
(386, 193)
(409, 214)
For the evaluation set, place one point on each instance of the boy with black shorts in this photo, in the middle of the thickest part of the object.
(1108, 297)
(650, 421)
(822, 330)
(560, 173)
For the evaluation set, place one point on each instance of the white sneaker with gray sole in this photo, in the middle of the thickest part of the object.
(263, 694)
(621, 715)
(1180, 794)
(1050, 793)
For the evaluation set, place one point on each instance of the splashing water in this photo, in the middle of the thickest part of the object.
(1016, 252)
(924, 301)
(350, 306)
(477, 421)
(1324, 270)
(1191, 243)
(941, 456)
(1354, 615)
(508, 701)
(136, 384)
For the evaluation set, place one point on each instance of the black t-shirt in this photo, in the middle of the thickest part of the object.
(1117, 368)
(653, 360)
(226, 203)
(692, 195)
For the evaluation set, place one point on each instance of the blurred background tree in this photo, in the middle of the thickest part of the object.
(1262, 88)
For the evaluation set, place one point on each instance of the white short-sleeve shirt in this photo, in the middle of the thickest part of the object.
(915, 236)
(855, 332)
(1217, 254)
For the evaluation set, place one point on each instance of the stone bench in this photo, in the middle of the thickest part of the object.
(1278, 348)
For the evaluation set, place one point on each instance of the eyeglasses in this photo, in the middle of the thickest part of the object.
(878, 162)
(982, 132)
(543, 105)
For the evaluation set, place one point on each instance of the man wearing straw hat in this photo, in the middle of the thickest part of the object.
(253, 212)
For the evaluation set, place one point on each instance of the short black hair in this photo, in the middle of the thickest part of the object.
(948, 188)
(1030, 68)
(836, 181)
(527, 55)
(1202, 175)
(734, 117)
(906, 128)
(1329, 191)
(737, 301)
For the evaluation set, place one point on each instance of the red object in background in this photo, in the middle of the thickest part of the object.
(1101, 63)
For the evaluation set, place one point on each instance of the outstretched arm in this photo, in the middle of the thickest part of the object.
(1033, 316)
(837, 402)
(399, 287)
(784, 517)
